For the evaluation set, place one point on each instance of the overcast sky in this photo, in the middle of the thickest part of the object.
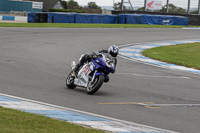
(180, 3)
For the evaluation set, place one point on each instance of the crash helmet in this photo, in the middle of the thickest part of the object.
(113, 50)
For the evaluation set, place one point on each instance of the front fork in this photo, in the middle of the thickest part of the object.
(94, 75)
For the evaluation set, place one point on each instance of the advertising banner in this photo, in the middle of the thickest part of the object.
(37, 5)
(154, 4)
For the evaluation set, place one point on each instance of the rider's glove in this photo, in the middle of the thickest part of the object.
(92, 56)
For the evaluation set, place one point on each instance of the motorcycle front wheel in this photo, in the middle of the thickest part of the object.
(70, 81)
(94, 86)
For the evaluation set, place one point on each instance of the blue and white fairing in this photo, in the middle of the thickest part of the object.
(101, 66)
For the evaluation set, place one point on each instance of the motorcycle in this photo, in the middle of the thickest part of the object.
(92, 74)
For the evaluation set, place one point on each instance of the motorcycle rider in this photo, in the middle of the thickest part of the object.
(113, 51)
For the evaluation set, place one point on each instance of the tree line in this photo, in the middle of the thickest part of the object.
(67, 4)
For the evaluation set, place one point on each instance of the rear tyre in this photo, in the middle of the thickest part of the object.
(70, 81)
(94, 86)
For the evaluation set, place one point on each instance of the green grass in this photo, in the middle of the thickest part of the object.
(14, 121)
(183, 54)
(68, 25)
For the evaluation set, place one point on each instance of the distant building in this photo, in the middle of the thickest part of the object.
(29, 5)
(19, 5)
(47, 4)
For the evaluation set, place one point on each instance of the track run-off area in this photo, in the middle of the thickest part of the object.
(34, 63)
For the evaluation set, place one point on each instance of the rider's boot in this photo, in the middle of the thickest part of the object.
(76, 68)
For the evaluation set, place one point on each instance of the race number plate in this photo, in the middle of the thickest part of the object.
(86, 70)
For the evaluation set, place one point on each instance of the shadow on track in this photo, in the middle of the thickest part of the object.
(83, 90)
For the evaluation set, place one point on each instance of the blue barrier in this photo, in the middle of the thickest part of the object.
(99, 19)
(83, 18)
(60, 18)
(152, 19)
(181, 21)
(96, 18)
(112, 19)
(11, 18)
(105, 19)
(31, 17)
(136, 19)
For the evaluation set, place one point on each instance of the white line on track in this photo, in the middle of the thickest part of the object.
(171, 105)
(192, 28)
(153, 42)
(154, 76)
(146, 63)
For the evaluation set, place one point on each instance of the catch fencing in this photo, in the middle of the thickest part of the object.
(13, 13)
(167, 6)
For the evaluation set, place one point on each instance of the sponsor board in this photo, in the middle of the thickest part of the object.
(37, 5)
(167, 21)
(153, 4)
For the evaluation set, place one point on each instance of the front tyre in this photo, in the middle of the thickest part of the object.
(94, 86)
(70, 81)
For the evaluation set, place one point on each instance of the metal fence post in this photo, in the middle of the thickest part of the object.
(188, 10)
(145, 5)
(130, 4)
(167, 6)
(199, 8)
(122, 4)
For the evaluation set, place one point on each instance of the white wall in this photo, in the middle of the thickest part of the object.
(18, 18)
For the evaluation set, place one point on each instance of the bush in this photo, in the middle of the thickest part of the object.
(65, 10)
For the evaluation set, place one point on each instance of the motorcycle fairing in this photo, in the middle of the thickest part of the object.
(83, 76)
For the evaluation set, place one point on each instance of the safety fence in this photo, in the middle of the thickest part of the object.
(13, 13)
(106, 19)
(164, 6)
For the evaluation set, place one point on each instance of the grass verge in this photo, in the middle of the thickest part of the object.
(14, 121)
(183, 54)
(68, 25)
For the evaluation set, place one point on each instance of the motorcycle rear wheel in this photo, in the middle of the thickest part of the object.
(70, 81)
(94, 86)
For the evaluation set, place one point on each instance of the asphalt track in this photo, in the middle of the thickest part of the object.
(34, 63)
